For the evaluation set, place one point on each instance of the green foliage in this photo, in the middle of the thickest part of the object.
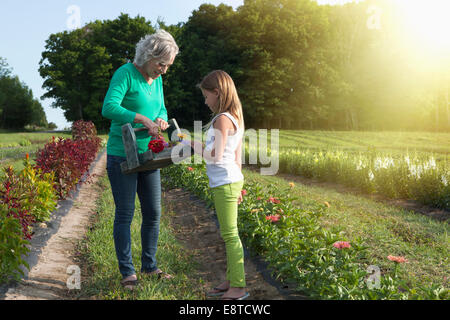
(12, 246)
(299, 249)
(18, 108)
(37, 193)
(78, 65)
(296, 64)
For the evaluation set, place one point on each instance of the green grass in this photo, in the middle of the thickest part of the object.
(386, 141)
(386, 230)
(14, 139)
(103, 277)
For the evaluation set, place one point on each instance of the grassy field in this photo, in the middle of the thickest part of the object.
(394, 164)
(355, 141)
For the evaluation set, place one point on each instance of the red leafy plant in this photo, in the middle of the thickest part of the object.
(11, 205)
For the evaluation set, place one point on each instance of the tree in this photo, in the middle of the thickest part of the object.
(78, 65)
(206, 44)
(282, 46)
(17, 105)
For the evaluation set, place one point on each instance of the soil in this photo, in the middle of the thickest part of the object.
(197, 228)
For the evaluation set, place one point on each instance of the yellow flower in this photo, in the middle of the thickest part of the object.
(181, 136)
(291, 184)
(327, 204)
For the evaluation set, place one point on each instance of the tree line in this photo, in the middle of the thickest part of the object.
(296, 64)
(18, 107)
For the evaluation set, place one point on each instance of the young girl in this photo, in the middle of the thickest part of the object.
(222, 154)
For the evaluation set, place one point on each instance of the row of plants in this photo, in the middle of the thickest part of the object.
(30, 195)
(416, 177)
(323, 263)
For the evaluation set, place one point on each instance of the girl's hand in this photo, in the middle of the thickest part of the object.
(240, 198)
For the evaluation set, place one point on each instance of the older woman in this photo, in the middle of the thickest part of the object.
(135, 95)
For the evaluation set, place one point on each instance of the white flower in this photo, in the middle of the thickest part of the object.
(444, 180)
(359, 166)
(407, 160)
(371, 176)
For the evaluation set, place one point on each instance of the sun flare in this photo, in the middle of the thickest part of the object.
(427, 22)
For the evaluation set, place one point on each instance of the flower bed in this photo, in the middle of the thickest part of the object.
(31, 195)
(323, 264)
(415, 177)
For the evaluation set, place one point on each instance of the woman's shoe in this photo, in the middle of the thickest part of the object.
(161, 274)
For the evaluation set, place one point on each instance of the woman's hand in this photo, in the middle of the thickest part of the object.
(162, 123)
(153, 128)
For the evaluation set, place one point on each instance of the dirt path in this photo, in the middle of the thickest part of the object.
(197, 228)
(47, 279)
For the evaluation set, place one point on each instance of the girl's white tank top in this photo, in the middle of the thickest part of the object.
(225, 171)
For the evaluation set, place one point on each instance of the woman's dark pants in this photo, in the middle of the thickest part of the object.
(124, 187)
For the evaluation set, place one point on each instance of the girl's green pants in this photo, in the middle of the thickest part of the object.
(225, 201)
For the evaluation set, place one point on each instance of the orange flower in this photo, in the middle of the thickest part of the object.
(291, 184)
(27, 156)
(397, 259)
(341, 244)
(190, 169)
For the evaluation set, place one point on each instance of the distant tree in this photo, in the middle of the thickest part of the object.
(17, 105)
(52, 126)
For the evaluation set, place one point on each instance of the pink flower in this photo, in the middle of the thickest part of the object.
(273, 200)
(397, 259)
(341, 244)
(259, 198)
(243, 192)
(273, 218)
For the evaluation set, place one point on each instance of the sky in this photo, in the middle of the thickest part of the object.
(26, 24)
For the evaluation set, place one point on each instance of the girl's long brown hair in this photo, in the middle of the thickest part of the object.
(228, 96)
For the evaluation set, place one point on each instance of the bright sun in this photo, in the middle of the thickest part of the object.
(428, 21)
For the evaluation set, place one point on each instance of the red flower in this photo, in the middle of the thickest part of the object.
(190, 169)
(156, 145)
(341, 244)
(273, 200)
(273, 218)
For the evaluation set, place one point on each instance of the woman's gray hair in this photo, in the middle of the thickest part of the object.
(159, 45)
